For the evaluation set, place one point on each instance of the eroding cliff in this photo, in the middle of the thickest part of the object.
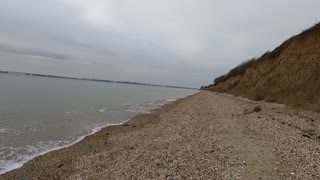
(290, 74)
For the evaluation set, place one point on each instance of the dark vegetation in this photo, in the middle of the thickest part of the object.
(241, 68)
(313, 28)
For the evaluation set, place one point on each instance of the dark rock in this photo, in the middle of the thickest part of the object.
(257, 109)
(307, 136)
(210, 151)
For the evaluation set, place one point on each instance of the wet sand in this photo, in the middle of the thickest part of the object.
(204, 136)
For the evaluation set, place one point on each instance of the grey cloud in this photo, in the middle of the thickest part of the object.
(34, 52)
(172, 42)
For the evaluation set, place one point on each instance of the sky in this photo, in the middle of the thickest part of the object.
(169, 42)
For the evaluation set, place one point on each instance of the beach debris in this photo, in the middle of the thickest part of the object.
(257, 109)
(60, 165)
(306, 135)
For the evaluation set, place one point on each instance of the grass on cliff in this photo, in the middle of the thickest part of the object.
(241, 68)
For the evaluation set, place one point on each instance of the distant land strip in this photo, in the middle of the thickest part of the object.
(92, 79)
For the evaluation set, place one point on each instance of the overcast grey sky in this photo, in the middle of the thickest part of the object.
(174, 42)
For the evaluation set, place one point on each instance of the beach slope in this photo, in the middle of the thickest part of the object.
(207, 135)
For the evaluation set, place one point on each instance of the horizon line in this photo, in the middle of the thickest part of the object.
(93, 79)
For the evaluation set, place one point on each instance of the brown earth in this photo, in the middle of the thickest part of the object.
(204, 136)
(290, 74)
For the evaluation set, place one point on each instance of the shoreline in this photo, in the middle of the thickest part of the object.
(81, 138)
(205, 135)
(31, 157)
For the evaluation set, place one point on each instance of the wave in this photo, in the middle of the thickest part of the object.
(4, 130)
(137, 111)
(14, 157)
(171, 100)
(11, 158)
(102, 110)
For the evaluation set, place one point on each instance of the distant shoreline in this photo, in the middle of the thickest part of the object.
(92, 79)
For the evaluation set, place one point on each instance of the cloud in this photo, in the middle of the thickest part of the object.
(172, 42)
(94, 12)
(34, 52)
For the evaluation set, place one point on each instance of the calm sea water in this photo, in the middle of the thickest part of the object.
(39, 114)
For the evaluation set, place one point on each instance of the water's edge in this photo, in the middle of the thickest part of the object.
(17, 165)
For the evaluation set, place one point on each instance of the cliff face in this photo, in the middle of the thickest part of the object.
(290, 74)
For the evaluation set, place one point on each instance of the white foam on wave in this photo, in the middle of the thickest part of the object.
(43, 148)
(170, 100)
(38, 150)
(137, 111)
(149, 103)
(4, 130)
(102, 110)
(27, 153)
(70, 112)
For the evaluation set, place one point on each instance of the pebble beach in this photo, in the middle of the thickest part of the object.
(204, 136)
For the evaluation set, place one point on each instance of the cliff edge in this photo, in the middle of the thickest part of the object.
(290, 74)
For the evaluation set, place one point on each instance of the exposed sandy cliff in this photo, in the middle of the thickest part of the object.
(290, 74)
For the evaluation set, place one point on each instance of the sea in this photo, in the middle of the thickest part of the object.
(41, 114)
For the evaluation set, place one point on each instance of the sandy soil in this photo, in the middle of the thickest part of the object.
(289, 74)
(204, 136)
